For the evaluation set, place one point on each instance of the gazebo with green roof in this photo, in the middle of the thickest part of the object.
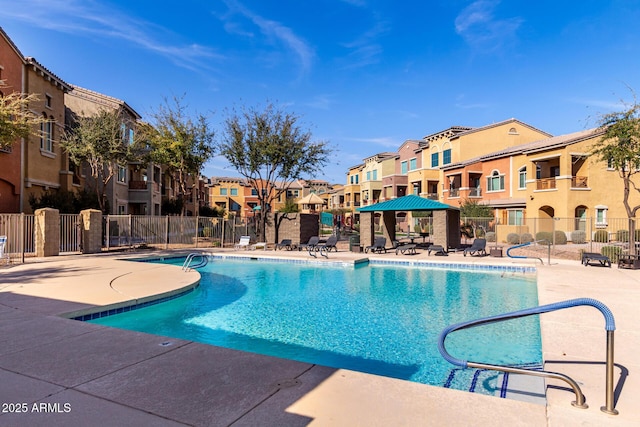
(446, 220)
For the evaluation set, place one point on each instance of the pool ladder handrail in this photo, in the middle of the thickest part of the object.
(527, 244)
(186, 265)
(580, 399)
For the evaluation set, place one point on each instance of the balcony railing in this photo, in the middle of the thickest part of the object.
(579, 182)
(432, 196)
(137, 185)
(475, 192)
(546, 183)
(454, 192)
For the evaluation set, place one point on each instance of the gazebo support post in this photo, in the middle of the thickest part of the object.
(389, 226)
(366, 229)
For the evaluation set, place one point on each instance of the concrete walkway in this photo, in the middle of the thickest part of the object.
(59, 372)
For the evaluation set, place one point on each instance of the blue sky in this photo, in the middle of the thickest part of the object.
(363, 75)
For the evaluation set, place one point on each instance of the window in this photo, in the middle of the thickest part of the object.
(131, 136)
(515, 216)
(601, 216)
(122, 210)
(403, 167)
(495, 182)
(357, 178)
(254, 192)
(434, 159)
(522, 178)
(223, 191)
(538, 172)
(375, 175)
(413, 164)
(46, 134)
(122, 174)
(446, 156)
(47, 101)
(368, 175)
(234, 191)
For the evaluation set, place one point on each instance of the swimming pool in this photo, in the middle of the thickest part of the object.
(381, 319)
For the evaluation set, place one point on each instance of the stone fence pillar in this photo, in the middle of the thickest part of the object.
(91, 231)
(47, 233)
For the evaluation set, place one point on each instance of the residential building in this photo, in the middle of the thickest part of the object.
(352, 194)
(11, 67)
(45, 165)
(136, 188)
(373, 173)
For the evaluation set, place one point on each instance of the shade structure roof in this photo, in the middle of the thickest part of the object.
(407, 203)
(311, 199)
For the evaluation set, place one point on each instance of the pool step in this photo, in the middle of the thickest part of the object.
(508, 386)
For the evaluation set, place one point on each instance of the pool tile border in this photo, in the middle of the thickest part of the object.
(112, 311)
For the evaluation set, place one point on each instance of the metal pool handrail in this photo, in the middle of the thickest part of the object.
(580, 399)
(527, 244)
(186, 265)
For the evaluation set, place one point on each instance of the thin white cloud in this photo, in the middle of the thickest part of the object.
(321, 102)
(270, 29)
(365, 50)
(94, 19)
(479, 27)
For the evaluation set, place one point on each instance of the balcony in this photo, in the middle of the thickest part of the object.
(546, 184)
(137, 185)
(432, 196)
(475, 192)
(454, 192)
(579, 182)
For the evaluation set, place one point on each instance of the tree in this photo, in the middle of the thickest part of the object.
(619, 147)
(181, 143)
(290, 206)
(16, 119)
(102, 141)
(473, 209)
(270, 150)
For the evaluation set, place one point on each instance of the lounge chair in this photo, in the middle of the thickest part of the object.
(311, 244)
(330, 244)
(478, 247)
(436, 249)
(3, 255)
(258, 245)
(379, 244)
(284, 244)
(604, 260)
(243, 243)
(408, 248)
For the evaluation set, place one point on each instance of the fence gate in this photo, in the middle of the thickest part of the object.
(70, 233)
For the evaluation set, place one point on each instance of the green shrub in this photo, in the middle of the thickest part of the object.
(561, 237)
(613, 252)
(513, 238)
(622, 235)
(207, 232)
(578, 236)
(601, 236)
(544, 235)
(526, 238)
(490, 236)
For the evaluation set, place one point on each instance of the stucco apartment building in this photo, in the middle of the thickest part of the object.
(520, 171)
(12, 64)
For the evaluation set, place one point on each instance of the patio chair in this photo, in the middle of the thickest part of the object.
(437, 250)
(330, 244)
(3, 255)
(311, 244)
(243, 243)
(284, 244)
(258, 245)
(604, 260)
(478, 247)
(379, 244)
(408, 248)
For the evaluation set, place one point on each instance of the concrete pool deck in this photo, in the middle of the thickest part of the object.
(60, 372)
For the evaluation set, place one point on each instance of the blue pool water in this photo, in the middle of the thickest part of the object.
(377, 319)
